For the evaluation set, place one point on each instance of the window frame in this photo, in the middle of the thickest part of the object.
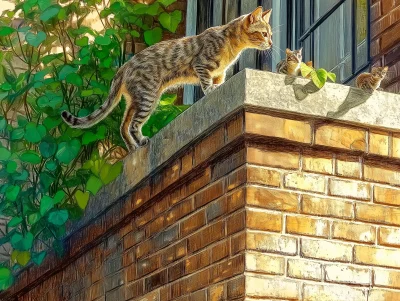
(297, 33)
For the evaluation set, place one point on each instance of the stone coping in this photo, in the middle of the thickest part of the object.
(249, 88)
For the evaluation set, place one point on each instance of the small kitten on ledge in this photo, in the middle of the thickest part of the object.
(291, 65)
(201, 59)
(371, 81)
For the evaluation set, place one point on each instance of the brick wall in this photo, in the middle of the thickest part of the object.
(307, 209)
(385, 40)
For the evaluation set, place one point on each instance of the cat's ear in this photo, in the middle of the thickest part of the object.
(386, 68)
(288, 51)
(256, 15)
(267, 15)
(301, 50)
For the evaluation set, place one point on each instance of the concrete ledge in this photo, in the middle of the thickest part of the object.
(264, 90)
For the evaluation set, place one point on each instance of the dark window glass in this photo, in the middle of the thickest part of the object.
(334, 35)
(332, 43)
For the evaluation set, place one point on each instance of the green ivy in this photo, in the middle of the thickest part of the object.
(319, 76)
(48, 171)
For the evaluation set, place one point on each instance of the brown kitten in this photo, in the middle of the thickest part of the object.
(371, 81)
(290, 65)
(201, 59)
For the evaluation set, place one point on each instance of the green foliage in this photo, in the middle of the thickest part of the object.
(48, 170)
(319, 77)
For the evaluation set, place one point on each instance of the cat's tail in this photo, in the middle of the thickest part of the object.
(112, 101)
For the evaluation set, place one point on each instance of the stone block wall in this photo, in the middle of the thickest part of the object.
(385, 40)
(261, 197)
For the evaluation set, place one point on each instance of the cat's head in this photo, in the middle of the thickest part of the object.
(295, 56)
(257, 31)
(379, 72)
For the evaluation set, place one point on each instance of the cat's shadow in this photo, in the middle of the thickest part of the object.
(354, 98)
(301, 91)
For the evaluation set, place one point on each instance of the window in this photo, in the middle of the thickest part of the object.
(334, 35)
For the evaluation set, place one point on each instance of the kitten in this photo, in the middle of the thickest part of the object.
(201, 59)
(371, 81)
(290, 65)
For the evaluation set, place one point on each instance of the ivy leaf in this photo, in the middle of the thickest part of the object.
(22, 243)
(11, 167)
(35, 39)
(171, 21)
(43, 4)
(50, 13)
(59, 196)
(5, 154)
(46, 203)
(51, 57)
(48, 147)
(17, 134)
(153, 9)
(74, 79)
(167, 2)
(167, 99)
(305, 70)
(102, 40)
(332, 76)
(86, 93)
(15, 221)
(58, 247)
(38, 258)
(82, 198)
(58, 217)
(51, 165)
(51, 122)
(94, 184)
(6, 278)
(22, 121)
(6, 86)
(3, 123)
(6, 30)
(34, 133)
(21, 257)
(67, 151)
(22, 176)
(153, 36)
(110, 173)
(30, 157)
(67, 70)
(34, 218)
(46, 179)
(84, 41)
(12, 192)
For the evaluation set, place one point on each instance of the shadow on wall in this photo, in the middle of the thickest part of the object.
(355, 97)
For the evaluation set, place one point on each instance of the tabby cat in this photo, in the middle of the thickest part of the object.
(371, 81)
(201, 59)
(292, 63)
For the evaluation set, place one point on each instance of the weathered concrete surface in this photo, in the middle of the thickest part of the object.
(265, 90)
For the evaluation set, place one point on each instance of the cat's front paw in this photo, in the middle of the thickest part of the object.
(144, 141)
(210, 89)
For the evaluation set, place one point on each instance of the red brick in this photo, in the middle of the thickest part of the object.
(206, 148)
(209, 194)
(206, 236)
(193, 222)
(235, 127)
(236, 222)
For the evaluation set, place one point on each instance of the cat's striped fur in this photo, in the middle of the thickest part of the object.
(371, 81)
(291, 64)
(201, 59)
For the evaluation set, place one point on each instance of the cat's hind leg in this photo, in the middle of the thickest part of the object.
(125, 127)
(145, 104)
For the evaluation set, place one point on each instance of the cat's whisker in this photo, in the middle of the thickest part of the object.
(277, 26)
